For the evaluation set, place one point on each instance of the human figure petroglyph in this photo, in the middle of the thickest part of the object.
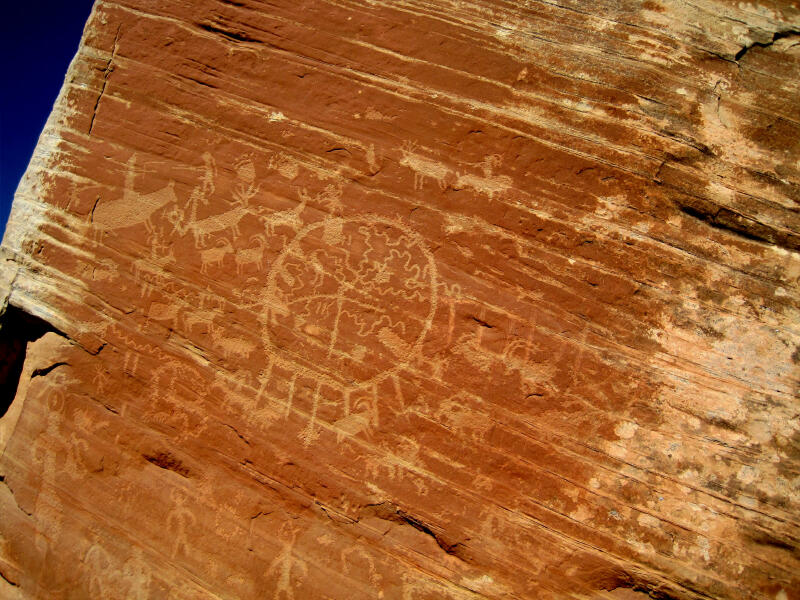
(133, 208)
(77, 449)
(43, 452)
(101, 378)
(97, 564)
(229, 220)
(287, 567)
(180, 519)
(150, 271)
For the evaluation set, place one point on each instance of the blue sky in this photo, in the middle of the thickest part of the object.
(38, 41)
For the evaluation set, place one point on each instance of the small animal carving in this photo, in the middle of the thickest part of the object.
(133, 208)
(232, 347)
(214, 256)
(251, 256)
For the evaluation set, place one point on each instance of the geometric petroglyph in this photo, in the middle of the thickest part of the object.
(350, 300)
(348, 304)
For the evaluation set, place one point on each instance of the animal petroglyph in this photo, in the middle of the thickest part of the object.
(214, 256)
(253, 255)
(488, 184)
(232, 347)
(133, 208)
(425, 168)
(163, 311)
(229, 220)
(200, 314)
(286, 218)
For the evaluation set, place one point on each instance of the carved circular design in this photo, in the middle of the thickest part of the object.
(349, 301)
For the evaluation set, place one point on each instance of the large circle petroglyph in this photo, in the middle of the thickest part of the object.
(349, 301)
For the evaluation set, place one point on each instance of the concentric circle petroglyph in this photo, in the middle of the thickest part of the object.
(350, 301)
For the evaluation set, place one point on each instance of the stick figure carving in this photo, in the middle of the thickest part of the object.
(287, 563)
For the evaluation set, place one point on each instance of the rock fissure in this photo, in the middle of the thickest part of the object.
(729, 220)
(4, 481)
(778, 35)
(45, 370)
(236, 431)
(168, 462)
(17, 330)
(234, 36)
(390, 512)
(8, 580)
(106, 74)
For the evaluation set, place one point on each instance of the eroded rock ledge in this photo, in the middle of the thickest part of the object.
(409, 300)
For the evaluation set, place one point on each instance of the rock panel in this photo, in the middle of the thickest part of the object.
(410, 300)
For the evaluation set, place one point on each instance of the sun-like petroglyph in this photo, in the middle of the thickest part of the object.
(348, 304)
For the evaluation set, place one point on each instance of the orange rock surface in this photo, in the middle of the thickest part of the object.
(413, 300)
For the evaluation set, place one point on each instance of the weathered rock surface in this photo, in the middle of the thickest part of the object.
(410, 300)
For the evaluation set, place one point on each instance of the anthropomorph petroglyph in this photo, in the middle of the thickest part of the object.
(227, 221)
(179, 521)
(287, 567)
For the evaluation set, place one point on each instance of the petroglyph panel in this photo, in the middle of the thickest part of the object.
(359, 300)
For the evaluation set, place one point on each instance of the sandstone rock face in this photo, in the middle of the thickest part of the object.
(410, 300)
